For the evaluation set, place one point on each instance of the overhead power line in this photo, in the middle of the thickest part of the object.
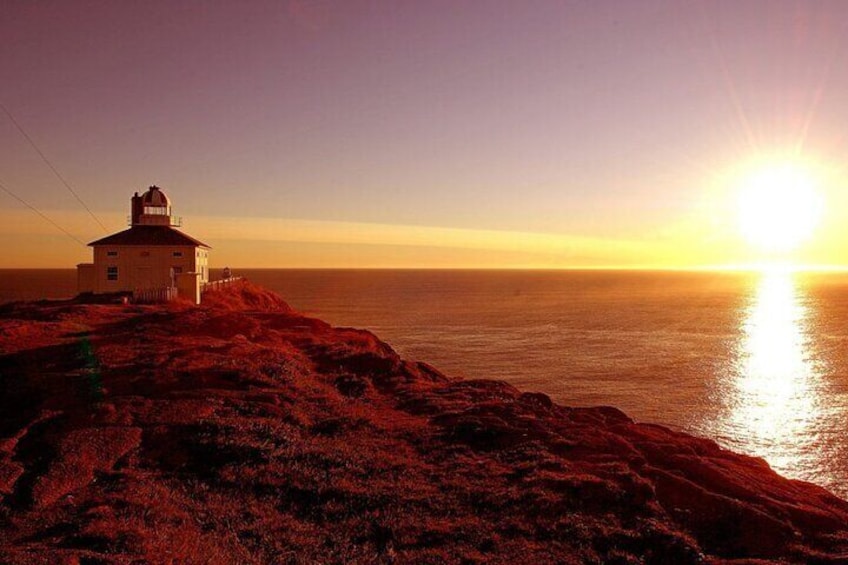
(52, 168)
(37, 211)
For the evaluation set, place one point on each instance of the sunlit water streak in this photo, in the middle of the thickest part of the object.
(772, 398)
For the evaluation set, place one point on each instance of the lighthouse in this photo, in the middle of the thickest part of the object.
(152, 256)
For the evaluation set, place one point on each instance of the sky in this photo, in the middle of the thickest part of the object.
(491, 134)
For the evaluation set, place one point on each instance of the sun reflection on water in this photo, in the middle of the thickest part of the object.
(772, 402)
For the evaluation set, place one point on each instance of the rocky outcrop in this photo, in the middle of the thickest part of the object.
(242, 432)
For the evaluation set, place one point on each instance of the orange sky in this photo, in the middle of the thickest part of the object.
(383, 134)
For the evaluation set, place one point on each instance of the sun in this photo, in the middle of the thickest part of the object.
(779, 207)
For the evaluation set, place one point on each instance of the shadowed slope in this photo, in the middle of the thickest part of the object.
(242, 432)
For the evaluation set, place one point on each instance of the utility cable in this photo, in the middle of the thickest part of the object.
(37, 211)
(52, 168)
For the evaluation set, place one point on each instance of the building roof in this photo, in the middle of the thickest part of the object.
(149, 235)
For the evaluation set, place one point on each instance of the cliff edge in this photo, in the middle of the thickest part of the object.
(240, 431)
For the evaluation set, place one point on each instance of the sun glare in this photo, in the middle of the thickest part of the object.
(779, 207)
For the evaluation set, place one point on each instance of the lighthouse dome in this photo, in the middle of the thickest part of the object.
(155, 197)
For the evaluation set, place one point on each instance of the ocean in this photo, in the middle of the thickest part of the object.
(757, 362)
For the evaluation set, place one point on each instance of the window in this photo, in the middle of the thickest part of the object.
(111, 254)
(177, 270)
(111, 273)
(178, 253)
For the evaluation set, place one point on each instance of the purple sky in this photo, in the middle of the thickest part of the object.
(610, 121)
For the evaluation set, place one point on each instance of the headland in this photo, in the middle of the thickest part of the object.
(240, 431)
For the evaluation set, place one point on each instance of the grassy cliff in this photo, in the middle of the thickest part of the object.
(242, 432)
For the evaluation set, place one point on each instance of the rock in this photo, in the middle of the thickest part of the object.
(10, 472)
(81, 453)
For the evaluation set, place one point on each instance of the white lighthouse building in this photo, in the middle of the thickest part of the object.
(150, 256)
